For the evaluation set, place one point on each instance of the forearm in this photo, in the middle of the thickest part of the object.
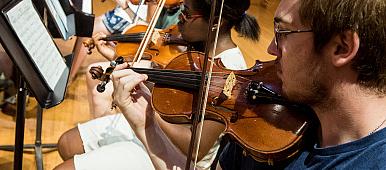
(111, 55)
(151, 7)
(133, 99)
(162, 152)
(180, 135)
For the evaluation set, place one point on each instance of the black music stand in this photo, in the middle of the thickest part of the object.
(38, 146)
(72, 21)
(41, 67)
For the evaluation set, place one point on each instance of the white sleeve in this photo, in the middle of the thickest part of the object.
(233, 59)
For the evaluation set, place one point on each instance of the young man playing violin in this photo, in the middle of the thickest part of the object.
(108, 142)
(332, 57)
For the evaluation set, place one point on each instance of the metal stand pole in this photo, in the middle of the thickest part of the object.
(20, 124)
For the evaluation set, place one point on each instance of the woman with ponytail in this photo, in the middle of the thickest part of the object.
(234, 15)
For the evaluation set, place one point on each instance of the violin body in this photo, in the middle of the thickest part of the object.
(247, 102)
(269, 132)
(164, 47)
(161, 50)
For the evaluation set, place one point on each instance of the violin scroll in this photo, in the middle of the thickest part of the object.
(89, 44)
(98, 73)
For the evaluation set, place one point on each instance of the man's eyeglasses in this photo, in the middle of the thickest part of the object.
(279, 34)
(185, 15)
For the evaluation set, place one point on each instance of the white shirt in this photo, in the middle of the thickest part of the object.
(232, 59)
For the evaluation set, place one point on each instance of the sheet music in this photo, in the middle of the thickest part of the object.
(87, 6)
(28, 26)
(58, 15)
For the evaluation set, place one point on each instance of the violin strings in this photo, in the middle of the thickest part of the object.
(140, 34)
(179, 78)
(183, 78)
(184, 72)
(186, 81)
(125, 38)
(177, 83)
(175, 73)
(174, 79)
(181, 73)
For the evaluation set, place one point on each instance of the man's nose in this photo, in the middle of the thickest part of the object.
(272, 48)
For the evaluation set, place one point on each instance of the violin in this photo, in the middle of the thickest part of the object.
(147, 38)
(247, 102)
(162, 48)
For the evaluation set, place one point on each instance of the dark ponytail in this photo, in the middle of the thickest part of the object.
(248, 27)
(234, 15)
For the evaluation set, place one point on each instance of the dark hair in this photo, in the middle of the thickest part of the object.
(365, 17)
(234, 15)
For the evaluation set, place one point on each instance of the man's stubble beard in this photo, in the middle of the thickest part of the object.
(314, 92)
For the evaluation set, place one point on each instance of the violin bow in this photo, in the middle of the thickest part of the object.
(205, 83)
(149, 31)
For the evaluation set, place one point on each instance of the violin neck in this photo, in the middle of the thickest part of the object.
(177, 78)
(134, 37)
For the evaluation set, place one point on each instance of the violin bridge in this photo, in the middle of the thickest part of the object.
(227, 90)
(155, 37)
(229, 84)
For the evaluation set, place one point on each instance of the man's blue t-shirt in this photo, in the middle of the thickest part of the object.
(366, 153)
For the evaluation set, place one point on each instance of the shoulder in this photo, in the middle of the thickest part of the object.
(365, 153)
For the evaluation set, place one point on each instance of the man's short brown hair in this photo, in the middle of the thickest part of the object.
(367, 18)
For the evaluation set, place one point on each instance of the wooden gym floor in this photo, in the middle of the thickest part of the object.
(74, 109)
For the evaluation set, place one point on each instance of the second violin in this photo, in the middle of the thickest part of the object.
(163, 48)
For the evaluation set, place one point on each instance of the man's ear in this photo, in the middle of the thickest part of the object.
(345, 47)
